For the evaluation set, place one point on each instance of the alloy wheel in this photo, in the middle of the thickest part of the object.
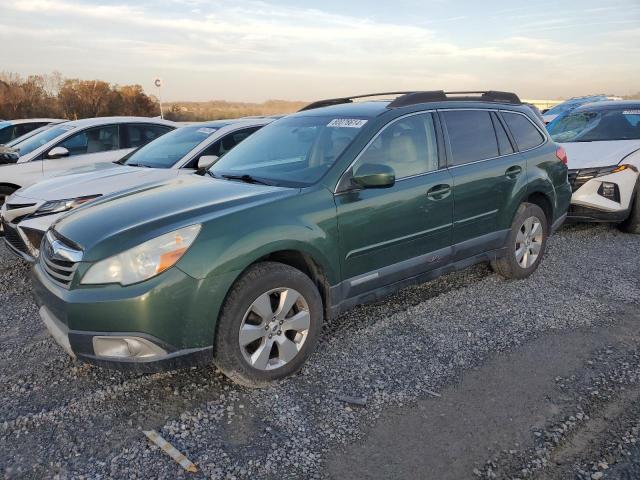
(529, 242)
(274, 328)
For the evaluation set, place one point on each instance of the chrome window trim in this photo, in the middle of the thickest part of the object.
(375, 137)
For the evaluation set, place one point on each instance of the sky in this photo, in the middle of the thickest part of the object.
(250, 50)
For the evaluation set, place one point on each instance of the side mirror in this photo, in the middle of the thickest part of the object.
(374, 175)
(58, 152)
(205, 161)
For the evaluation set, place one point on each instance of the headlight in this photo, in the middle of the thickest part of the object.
(144, 261)
(59, 206)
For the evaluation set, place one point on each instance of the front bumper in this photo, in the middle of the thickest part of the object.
(171, 311)
(79, 344)
(578, 213)
(589, 205)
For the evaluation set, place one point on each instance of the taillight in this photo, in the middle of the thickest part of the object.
(562, 155)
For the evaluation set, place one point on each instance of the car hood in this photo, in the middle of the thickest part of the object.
(98, 181)
(126, 219)
(598, 154)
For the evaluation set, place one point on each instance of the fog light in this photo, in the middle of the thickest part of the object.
(126, 347)
(609, 191)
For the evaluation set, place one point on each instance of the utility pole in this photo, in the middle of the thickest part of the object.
(158, 83)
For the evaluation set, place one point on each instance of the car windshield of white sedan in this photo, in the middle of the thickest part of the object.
(598, 126)
(32, 143)
(165, 151)
(294, 151)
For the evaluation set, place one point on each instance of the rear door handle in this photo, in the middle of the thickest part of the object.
(438, 192)
(513, 172)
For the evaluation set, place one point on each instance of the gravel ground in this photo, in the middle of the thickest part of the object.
(62, 418)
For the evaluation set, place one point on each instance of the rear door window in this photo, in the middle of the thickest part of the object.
(138, 134)
(471, 136)
(526, 135)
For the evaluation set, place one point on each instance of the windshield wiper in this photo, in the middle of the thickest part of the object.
(245, 178)
(142, 165)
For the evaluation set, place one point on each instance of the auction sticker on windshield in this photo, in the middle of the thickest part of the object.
(206, 131)
(347, 123)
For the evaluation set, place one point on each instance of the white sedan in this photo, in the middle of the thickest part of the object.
(68, 145)
(28, 213)
(602, 141)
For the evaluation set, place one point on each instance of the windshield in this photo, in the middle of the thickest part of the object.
(294, 151)
(165, 151)
(572, 105)
(605, 125)
(42, 138)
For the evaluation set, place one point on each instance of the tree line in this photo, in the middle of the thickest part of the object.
(54, 96)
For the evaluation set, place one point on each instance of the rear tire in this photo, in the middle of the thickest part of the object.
(269, 325)
(632, 223)
(525, 244)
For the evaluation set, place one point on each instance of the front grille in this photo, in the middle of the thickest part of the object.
(13, 238)
(58, 269)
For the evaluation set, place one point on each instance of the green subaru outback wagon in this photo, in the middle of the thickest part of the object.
(336, 205)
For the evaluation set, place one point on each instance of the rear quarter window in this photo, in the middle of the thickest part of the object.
(525, 134)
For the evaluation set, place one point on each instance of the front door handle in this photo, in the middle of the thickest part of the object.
(438, 192)
(513, 172)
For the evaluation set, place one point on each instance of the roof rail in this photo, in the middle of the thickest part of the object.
(412, 98)
(442, 96)
(338, 101)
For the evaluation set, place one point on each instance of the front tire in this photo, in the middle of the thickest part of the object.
(526, 243)
(632, 223)
(269, 325)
